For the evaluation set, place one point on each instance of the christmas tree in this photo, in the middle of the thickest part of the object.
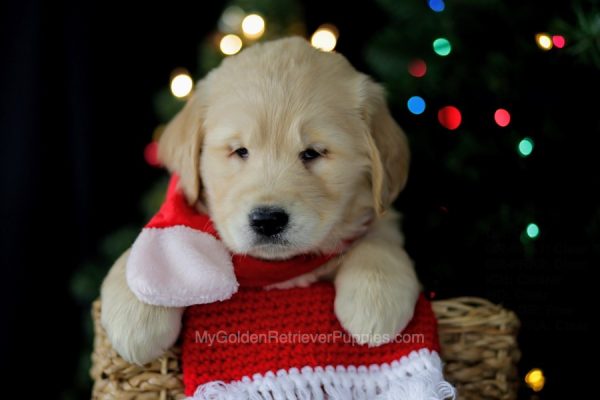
(480, 89)
(488, 92)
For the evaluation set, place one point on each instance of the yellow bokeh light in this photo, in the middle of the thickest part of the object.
(181, 84)
(543, 41)
(230, 44)
(253, 26)
(535, 379)
(324, 39)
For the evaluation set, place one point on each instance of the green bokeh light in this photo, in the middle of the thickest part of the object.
(442, 46)
(532, 231)
(525, 147)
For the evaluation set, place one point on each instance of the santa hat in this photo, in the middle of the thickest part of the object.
(178, 259)
(242, 341)
(288, 344)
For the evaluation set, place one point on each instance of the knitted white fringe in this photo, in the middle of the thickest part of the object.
(415, 377)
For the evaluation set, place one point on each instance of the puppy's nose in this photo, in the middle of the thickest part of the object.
(268, 221)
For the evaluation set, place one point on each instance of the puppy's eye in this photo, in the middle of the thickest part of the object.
(242, 152)
(309, 155)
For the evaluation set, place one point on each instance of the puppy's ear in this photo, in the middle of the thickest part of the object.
(388, 147)
(179, 147)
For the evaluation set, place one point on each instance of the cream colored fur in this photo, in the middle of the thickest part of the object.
(278, 99)
(138, 332)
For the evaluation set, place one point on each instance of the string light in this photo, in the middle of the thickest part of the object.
(535, 379)
(417, 68)
(442, 47)
(231, 19)
(181, 83)
(532, 231)
(253, 26)
(151, 154)
(450, 117)
(543, 41)
(230, 44)
(559, 41)
(525, 147)
(502, 117)
(324, 38)
(436, 5)
(416, 105)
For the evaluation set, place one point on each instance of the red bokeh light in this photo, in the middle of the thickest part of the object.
(450, 117)
(559, 41)
(417, 68)
(502, 117)
(151, 154)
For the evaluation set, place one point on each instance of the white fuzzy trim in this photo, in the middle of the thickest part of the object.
(416, 377)
(178, 267)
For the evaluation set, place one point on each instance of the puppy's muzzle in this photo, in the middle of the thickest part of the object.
(268, 221)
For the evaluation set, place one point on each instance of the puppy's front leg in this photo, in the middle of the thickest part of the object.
(137, 331)
(376, 285)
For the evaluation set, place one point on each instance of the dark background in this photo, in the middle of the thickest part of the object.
(76, 88)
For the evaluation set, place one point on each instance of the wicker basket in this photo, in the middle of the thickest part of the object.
(479, 347)
(478, 341)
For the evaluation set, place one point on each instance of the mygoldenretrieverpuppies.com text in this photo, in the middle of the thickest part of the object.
(277, 337)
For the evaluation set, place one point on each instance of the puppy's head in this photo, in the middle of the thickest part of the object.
(290, 148)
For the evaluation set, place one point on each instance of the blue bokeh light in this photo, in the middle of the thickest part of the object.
(416, 105)
(436, 5)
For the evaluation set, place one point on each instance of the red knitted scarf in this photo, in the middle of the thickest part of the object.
(258, 343)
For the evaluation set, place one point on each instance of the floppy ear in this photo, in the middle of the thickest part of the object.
(388, 147)
(179, 147)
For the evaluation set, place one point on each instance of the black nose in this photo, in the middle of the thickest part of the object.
(268, 221)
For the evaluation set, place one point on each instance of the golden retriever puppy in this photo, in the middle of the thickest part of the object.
(296, 134)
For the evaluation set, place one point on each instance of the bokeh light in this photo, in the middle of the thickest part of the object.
(417, 68)
(230, 44)
(525, 147)
(559, 41)
(231, 19)
(253, 26)
(416, 105)
(535, 379)
(450, 117)
(502, 117)
(436, 5)
(181, 84)
(324, 38)
(442, 47)
(543, 41)
(151, 154)
(532, 231)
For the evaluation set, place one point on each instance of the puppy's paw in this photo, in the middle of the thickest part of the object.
(141, 333)
(370, 317)
(376, 292)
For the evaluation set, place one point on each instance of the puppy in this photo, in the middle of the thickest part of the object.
(284, 128)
